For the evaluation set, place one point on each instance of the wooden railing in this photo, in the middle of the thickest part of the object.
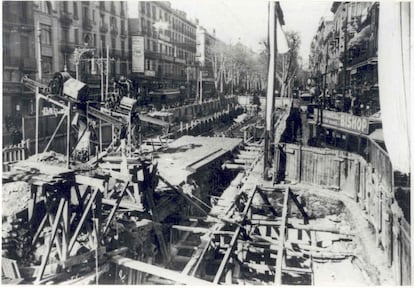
(14, 153)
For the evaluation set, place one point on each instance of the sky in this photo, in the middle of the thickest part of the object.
(245, 21)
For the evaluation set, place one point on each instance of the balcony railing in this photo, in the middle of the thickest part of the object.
(12, 61)
(29, 64)
(87, 24)
(362, 52)
(103, 28)
(67, 47)
(66, 18)
(114, 30)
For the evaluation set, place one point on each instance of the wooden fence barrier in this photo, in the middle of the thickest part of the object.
(369, 182)
(14, 153)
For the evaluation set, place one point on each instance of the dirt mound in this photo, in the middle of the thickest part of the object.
(15, 197)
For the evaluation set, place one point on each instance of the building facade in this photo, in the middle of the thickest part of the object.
(67, 25)
(18, 60)
(209, 48)
(349, 47)
(168, 40)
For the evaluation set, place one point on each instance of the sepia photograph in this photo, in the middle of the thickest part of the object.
(206, 142)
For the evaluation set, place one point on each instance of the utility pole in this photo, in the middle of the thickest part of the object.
(201, 86)
(270, 86)
(39, 49)
(102, 68)
(107, 72)
(345, 48)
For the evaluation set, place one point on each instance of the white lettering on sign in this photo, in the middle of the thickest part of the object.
(344, 120)
(355, 123)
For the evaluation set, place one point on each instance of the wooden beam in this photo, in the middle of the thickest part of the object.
(114, 208)
(124, 204)
(300, 207)
(191, 229)
(157, 271)
(196, 259)
(90, 181)
(45, 257)
(179, 191)
(234, 239)
(279, 259)
(82, 220)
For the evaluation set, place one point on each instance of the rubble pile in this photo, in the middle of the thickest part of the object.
(15, 197)
(51, 158)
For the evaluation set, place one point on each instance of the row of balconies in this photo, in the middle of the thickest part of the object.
(103, 28)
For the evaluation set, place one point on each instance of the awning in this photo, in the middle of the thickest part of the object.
(361, 36)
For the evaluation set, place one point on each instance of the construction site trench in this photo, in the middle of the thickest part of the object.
(194, 210)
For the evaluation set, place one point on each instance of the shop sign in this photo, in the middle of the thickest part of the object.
(345, 121)
(150, 73)
(138, 54)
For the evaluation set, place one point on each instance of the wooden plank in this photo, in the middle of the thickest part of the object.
(45, 257)
(90, 181)
(114, 208)
(124, 204)
(82, 220)
(279, 260)
(234, 239)
(191, 229)
(157, 271)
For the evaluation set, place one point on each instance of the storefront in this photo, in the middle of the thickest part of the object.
(342, 130)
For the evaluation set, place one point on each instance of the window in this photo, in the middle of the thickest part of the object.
(85, 12)
(47, 65)
(113, 42)
(75, 10)
(142, 7)
(113, 22)
(122, 27)
(46, 37)
(122, 48)
(147, 64)
(86, 39)
(148, 47)
(154, 12)
(48, 7)
(148, 9)
(6, 46)
(154, 46)
(122, 8)
(94, 40)
(93, 16)
(103, 41)
(143, 27)
(65, 6)
(76, 35)
(65, 35)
